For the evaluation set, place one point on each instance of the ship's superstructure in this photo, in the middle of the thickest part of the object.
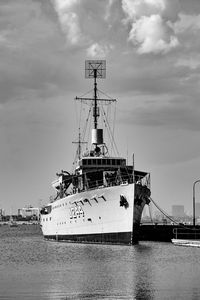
(103, 198)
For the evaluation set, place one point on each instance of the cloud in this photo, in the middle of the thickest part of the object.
(173, 112)
(4, 40)
(137, 8)
(187, 28)
(33, 60)
(192, 62)
(109, 7)
(69, 20)
(87, 25)
(98, 50)
(90, 24)
(187, 22)
(150, 22)
(152, 35)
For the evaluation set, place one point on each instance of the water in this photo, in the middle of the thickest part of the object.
(31, 268)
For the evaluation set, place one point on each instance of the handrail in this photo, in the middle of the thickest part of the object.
(116, 180)
(186, 233)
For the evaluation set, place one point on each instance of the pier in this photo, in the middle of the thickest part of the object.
(160, 232)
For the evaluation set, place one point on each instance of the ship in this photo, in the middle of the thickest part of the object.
(102, 199)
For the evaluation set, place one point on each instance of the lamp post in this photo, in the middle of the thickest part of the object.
(194, 201)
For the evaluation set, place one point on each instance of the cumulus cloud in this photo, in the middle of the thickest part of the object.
(151, 34)
(151, 26)
(151, 30)
(137, 8)
(68, 19)
(97, 50)
(86, 24)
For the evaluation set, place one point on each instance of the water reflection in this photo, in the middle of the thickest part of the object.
(144, 277)
(100, 271)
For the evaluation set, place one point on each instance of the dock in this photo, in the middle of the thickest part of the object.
(166, 233)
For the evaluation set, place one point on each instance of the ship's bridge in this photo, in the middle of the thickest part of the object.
(101, 162)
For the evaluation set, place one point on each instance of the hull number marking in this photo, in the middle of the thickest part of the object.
(76, 212)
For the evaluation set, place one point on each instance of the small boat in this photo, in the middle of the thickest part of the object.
(186, 243)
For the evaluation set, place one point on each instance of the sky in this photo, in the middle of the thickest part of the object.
(152, 55)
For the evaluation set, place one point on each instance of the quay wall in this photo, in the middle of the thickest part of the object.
(162, 233)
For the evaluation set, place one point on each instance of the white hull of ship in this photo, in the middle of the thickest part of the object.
(95, 216)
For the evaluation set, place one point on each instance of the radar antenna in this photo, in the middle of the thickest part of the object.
(95, 69)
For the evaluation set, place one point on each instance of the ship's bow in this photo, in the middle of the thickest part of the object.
(141, 197)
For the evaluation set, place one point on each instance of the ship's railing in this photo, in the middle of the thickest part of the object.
(186, 233)
(114, 181)
(106, 181)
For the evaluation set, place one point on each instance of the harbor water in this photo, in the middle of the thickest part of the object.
(32, 268)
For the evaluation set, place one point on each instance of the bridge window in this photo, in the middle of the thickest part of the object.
(113, 161)
(99, 161)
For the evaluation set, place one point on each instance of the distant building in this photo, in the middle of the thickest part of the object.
(2, 213)
(178, 211)
(28, 212)
(197, 209)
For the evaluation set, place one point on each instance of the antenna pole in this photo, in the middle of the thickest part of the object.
(79, 144)
(95, 98)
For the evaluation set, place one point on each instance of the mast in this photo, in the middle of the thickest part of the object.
(95, 99)
(96, 69)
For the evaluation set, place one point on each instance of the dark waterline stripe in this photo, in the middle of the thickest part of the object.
(102, 238)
